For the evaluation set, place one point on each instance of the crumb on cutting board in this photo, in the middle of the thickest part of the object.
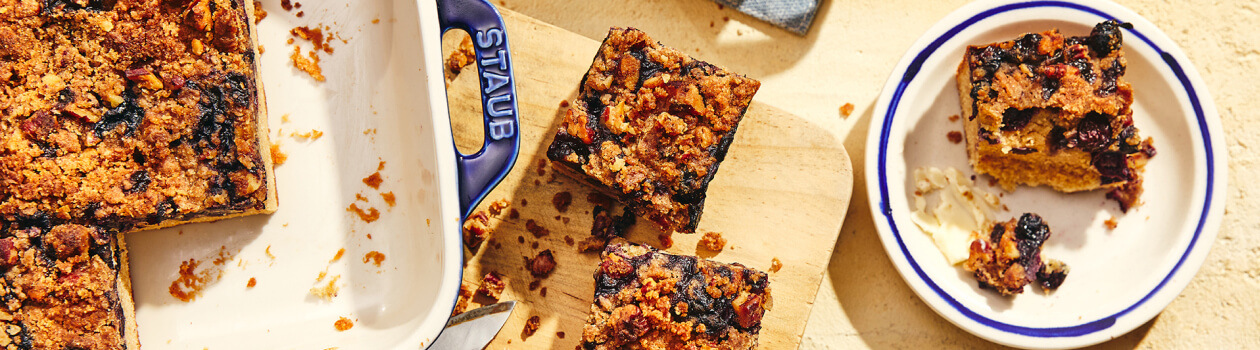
(847, 109)
(492, 285)
(328, 290)
(343, 324)
(713, 241)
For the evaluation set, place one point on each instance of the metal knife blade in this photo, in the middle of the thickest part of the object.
(474, 329)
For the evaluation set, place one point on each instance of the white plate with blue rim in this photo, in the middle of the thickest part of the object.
(1120, 278)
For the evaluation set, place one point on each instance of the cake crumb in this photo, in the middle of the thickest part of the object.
(277, 157)
(286, 5)
(531, 326)
(562, 200)
(310, 66)
(955, 137)
(543, 292)
(954, 118)
(492, 285)
(535, 229)
(268, 251)
(560, 335)
(513, 214)
(713, 241)
(337, 257)
(376, 20)
(389, 198)
(568, 240)
(1111, 223)
(188, 285)
(564, 103)
(259, 12)
(533, 285)
(367, 216)
(262, 49)
(326, 291)
(542, 264)
(374, 180)
(775, 264)
(374, 257)
(300, 14)
(343, 324)
(252, 282)
(380, 166)
(284, 118)
(667, 240)
(359, 197)
(847, 109)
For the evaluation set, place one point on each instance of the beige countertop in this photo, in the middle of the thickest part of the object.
(846, 58)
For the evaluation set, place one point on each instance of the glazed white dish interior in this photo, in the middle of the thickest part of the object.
(383, 101)
(1119, 278)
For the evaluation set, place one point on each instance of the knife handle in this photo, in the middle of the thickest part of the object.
(481, 171)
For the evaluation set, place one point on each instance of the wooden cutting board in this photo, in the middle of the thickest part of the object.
(781, 193)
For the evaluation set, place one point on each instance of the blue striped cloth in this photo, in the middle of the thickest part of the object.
(793, 15)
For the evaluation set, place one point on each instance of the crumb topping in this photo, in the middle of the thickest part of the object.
(651, 125)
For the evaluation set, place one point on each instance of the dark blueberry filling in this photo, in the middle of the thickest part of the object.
(565, 145)
(1048, 88)
(1016, 119)
(1094, 132)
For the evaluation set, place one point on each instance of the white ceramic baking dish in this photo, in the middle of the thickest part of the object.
(383, 101)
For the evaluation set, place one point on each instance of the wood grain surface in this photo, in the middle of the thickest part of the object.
(780, 193)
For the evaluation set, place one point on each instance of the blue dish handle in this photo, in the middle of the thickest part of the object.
(481, 171)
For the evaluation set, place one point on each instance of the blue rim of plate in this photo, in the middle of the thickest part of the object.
(1051, 332)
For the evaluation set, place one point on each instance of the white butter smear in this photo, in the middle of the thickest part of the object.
(961, 211)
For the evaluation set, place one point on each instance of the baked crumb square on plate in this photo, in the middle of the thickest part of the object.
(1120, 278)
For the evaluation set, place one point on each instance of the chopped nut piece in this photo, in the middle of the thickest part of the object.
(713, 241)
(561, 201)
(492, 286)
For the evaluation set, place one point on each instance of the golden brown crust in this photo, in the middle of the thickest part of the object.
(651, 125)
